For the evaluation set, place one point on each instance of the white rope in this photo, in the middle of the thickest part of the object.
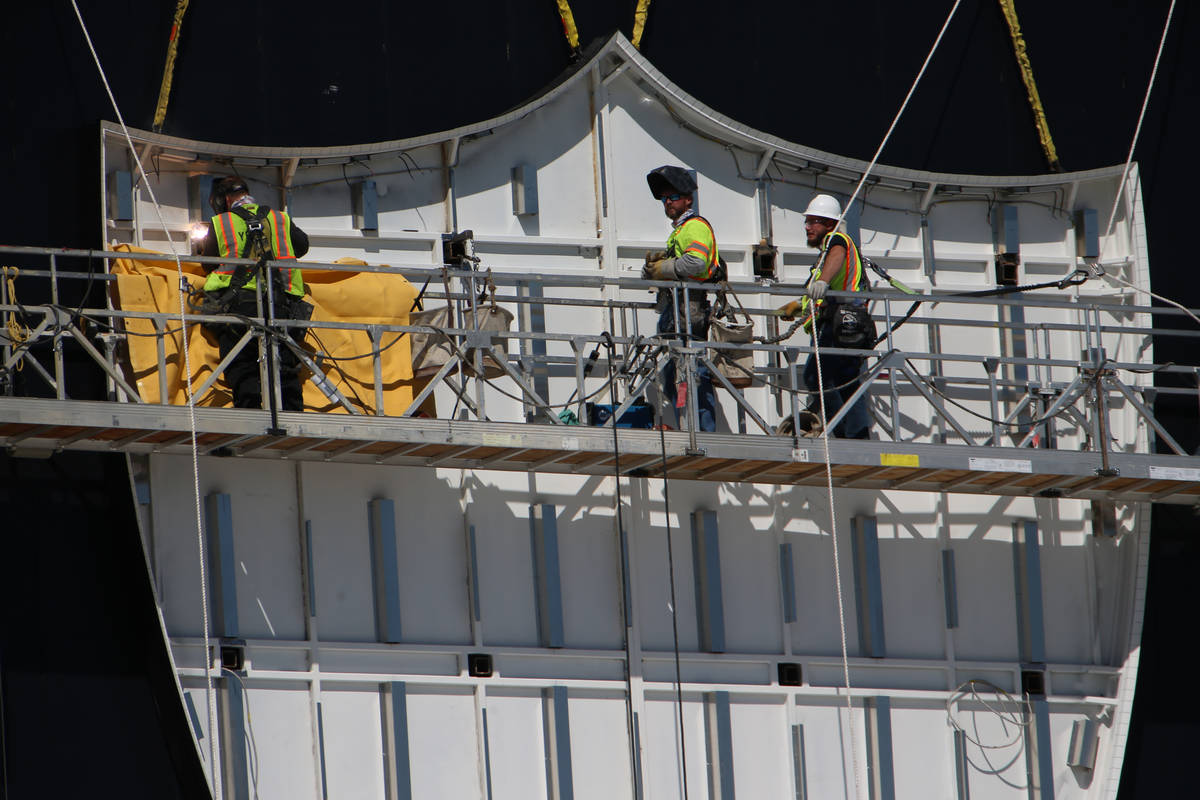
(208, 677)
(1121, 187)
(837, 570)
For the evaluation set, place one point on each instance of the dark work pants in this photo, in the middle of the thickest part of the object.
(835, 371)
(242, 374)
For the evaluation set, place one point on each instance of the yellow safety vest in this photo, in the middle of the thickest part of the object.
(848, 278)
(695, 235)
(231, 232)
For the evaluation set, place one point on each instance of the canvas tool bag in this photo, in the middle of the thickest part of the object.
(736, 365)
(432, 348)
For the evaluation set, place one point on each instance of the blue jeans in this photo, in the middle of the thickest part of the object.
(835, 371)
(706, 394)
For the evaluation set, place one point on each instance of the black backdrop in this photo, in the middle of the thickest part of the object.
(84, 703)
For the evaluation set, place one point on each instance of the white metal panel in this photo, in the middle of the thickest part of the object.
(649, 547)
(266, 543)
(662, 759)
(913, 601)
(816, 629)
(516, 745)
(828, 755)
(280, 743)
(444, 756)
(506, 589)
(1067, 589)
(588, 554)
(922, 754)
(995, 771)
(762, 751)
(337, 508)
(353, 742)
(749, 575)
(983, 563)
(556, 140)
(600, 748)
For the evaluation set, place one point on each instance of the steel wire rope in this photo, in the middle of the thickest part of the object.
(191, 404)
(1121, 187)
(622, 544)
(662, 443)
(837, 571)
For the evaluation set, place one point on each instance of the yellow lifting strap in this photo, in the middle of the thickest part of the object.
(639, 22)
(568, 21)
(164, 91)
(1039, 114)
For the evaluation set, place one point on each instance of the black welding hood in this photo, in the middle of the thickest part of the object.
(669, 180)
(221, 188)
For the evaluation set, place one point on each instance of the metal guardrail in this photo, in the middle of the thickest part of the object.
(1007, 392)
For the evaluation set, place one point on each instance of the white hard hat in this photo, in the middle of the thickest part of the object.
(824, 205)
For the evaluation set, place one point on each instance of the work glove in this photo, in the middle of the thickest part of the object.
(817, 289)
(661, 270)
(789, 310)
(652, 257)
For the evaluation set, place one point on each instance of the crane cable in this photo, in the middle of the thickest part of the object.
(837, 571)
(164, 91)
(1035, 100)
(208, 673)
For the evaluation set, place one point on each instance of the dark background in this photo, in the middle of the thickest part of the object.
(86, 698)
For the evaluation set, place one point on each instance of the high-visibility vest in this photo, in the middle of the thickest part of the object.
(695, 235)
(848, 278)
(231, 232)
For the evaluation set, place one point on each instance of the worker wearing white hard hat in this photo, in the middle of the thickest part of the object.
(834, 323)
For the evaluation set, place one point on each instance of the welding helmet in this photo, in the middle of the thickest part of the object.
(670, 180)
(222, 188)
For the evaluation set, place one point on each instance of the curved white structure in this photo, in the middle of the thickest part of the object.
(356, 593)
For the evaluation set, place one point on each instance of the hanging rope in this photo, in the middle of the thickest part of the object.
(1112, 215)
(17, 331)
(837, 573)
(164, 91)
(1035, 100)
(639, 22)
(208, 674)
(569, 29)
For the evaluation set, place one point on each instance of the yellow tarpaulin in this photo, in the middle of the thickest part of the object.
(148, 281)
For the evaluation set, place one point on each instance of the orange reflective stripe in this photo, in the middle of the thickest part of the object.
(227, 236)
(283, 245)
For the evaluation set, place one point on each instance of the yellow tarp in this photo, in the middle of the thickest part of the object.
(150, 282)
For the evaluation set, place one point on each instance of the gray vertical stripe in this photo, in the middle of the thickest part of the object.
(706, 565)
(321, 749)
(787, 582)
(1027, 573)
(868, 587)
(880, 767)
(312, 569)
(799, 767)
(222, 574)
(950, 588)
(543, 532)
(385, 569)
(474, 574)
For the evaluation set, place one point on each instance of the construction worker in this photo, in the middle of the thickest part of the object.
(242, 228)
(691, 256)
(838, 323)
